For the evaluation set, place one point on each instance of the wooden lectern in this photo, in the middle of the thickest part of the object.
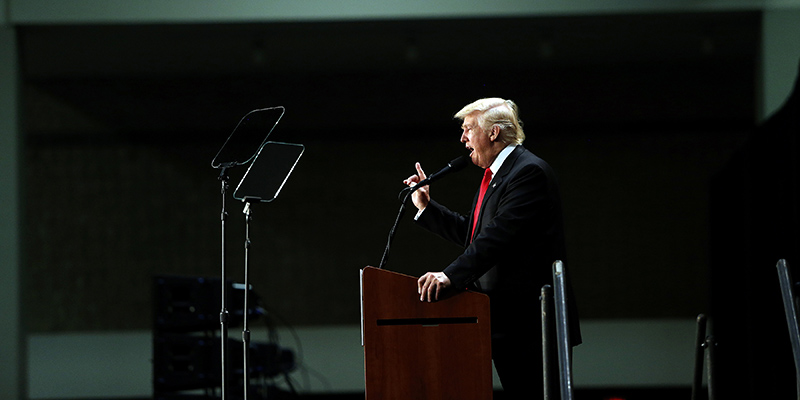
(418, 350)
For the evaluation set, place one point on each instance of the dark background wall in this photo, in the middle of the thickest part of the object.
(635, 112)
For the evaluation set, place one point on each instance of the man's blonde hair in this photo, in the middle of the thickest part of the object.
(496, 111)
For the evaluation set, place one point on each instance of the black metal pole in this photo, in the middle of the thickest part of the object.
(711, 345)
(699, 347)
(790, 306)
(223, 314)
(245, 329)
(562, 330)
(547, 341)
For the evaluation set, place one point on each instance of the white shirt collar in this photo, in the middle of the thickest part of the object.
(498, 162)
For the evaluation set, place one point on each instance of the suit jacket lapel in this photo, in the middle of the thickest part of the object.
(497, 180)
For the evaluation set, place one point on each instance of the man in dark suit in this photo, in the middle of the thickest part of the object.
(511, 238)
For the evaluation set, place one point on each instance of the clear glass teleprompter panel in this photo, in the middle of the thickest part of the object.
(268, 172)
(248, 137)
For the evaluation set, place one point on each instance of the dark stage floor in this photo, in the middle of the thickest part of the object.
(670, 393)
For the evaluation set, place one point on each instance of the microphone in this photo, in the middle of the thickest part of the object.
(453, 166)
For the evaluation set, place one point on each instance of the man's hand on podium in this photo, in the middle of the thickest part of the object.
(431, 284)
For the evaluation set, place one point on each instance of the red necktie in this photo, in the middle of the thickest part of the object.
(487, 177)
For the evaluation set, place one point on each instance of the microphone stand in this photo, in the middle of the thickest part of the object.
(400, 213)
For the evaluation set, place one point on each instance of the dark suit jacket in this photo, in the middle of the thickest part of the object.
(518, 237)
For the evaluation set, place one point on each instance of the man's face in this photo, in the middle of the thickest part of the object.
(477, 141)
